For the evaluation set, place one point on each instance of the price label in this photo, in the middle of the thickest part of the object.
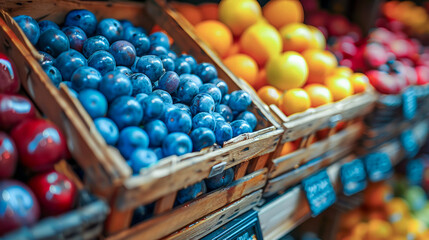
(409, 103)
(414, 171)
(319, 191)
(353, 177)
(378, 166)
(409, 144)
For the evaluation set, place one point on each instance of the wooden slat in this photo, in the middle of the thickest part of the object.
(173, 220)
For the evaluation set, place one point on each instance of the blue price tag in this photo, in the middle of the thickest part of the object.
(409, 103)
(409, 143)
(378, 166)
(353, 177)
(319, 191)
(414, 171)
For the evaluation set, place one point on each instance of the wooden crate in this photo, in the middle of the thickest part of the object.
(106, 171)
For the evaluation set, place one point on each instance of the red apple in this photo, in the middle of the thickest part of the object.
(8, 156)
(9, 79)
(400, 47)
(375, 55)
(14, 109)
(383, 82)
(40, 144)
(422, 75)
(338, 25)
(54, 191)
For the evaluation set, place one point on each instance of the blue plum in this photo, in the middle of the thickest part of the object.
(159, 39)
(178, 121)
(249, 117)
(94, 102)
(125, 111)
(164, 95)
(186, 91)
(46, 25)
(103, 61)
(190, 60)
(225, 99)
(126, 23)
(115, 84)
(94, 44)
(191, 192)
(218, 117)
(204, 119)
(82, 18)
(53, 74)
(169, 82)
(176, 144)
(182, 67)
(107, 129)
(212, 90)
(151, 66)
(239, 127)
(221, 180)
(131, 138)
(239, 101)
(130, 31)
(85, 77)
(29, 26)
(225, 111)
(153, 107)
(140, 96)
(76, 36)
(142, 158)
(111, 29)
(202, 102)
(184, 107)
(141, 43)
(124, 70)
(206, 72)
(168, 108)
(156, 131)
(167, 62)
(53, 42)
(192, 77)
(157, 51)
(202, 137)
(123, 52)
(67, 62)
(141, 84)
(158, 152)
(223, 132)
(172, 54)
(47, 59)
(223, 87)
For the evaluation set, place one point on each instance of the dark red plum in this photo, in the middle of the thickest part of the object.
(10, 82)
(53, 42)
(8, 156)
(14, 109)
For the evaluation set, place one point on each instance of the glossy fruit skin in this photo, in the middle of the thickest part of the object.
(103, 61)
(239, 101)
(46, 25)
(165, 96)
(142, 158)
(176, 144)
(151, 66)
(76, 36)
(169, 82)
(159, 39)
(204, 119)
(8, 156)
(153, 107)
(218, 117)
(192, 77)
(141, 84)
(125, 70)
(115, 84)
(85, 77)
(239, 127)
(221, 180)
(206, 72)
(178, 121)
(94, 103)
(223, 132)
(191, 192)
(53, 42)
(123, 52)
(130, 31)
(157, 131)
(186, 91)
(167, 62)
(168, 108)
(157, 51)
(221, 84)
(158, 152)
(54, 74)
(202, 102)
(212, 90)
(125, 111)
(82, 18)
(183, 107)
(93, 44)
(225, 99)
(55, 192)
(131, 138)
(29, 26)
(107, 129)
(182, 67)
(20, 206)
(141, 43)
(67, 62)
(47, 59)
(225, 112)
(111, 29)
(10, 82)
(249, 117)
(190, 60)
(202, 137)
(40, 144)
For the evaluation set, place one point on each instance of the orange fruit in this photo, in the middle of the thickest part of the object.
(295, 100)
(296, 37)
(288, 147)
(234, 49)
(216, 35)
(239, 15)
(379, 229)
(209, 11)
(340, 87)
(317, 40)
(377, 195)
(269, 95)
(280, 13)
(262, 79)
(261, 41)
(189, 11)
(157, 28)
(360, 230)
(320, 64)
(286, 71)
(351, 218)
(359, 82)
(342, 71)
(396, 209)
(319, 94)
(243, 66)
(415, 228)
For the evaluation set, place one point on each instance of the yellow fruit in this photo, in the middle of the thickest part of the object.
(216, 35)
(379, 230)
(243, 66)
(280, 13)
(295, 101)
(239, 14)
(396, 209)
(320, 64)
(318, 40)
(340, 87)
(359, 82)
(296, 37)
(319, 94)
(261, 41)
(360, 230)
(342, 71)
(401, 227)
(415, 228)
(286, 71)
(269, 95)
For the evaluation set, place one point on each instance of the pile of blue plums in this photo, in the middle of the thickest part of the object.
(147, 101)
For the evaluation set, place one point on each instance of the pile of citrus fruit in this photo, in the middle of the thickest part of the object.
(399, 212)
(269, 47)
